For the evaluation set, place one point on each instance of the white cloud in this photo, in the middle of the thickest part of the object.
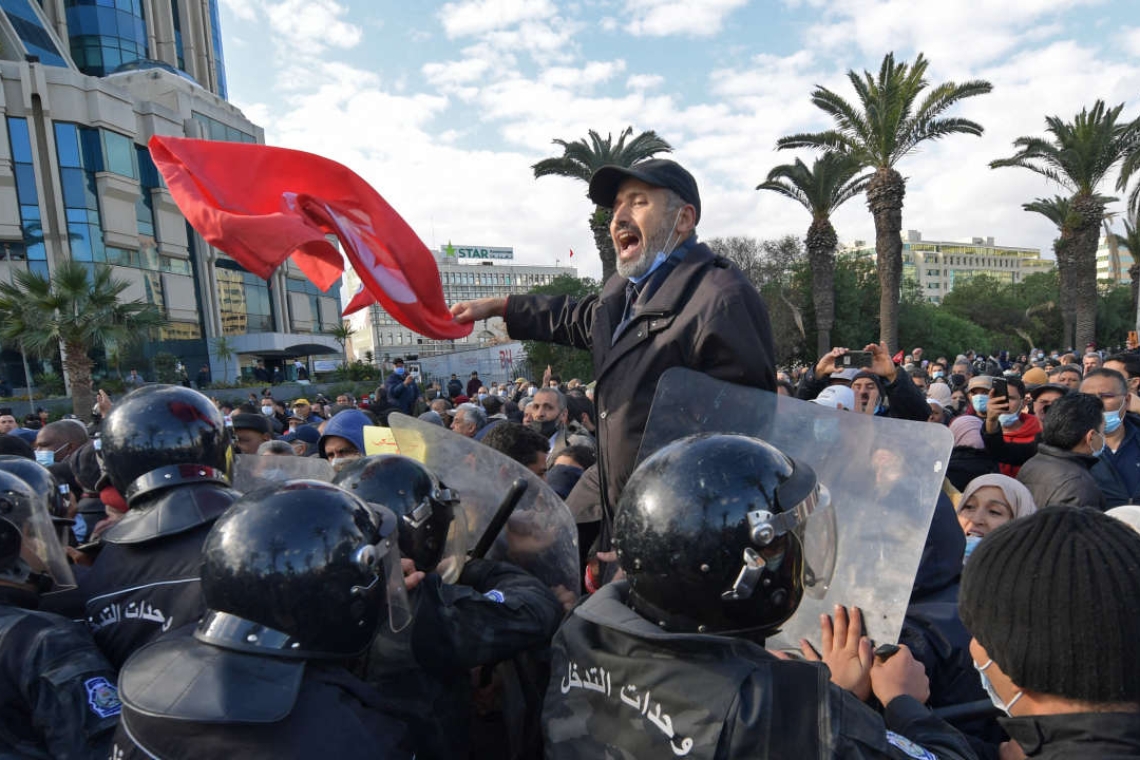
(645, 81)
(585, 77)
(661, 18)
(472, 17)
(309, 26)
(1130, 41)
(242, 9)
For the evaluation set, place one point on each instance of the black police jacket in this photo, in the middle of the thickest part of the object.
(1105, 736)
(621, 687)
(57, 691)
(183, 699)
(495, 612)
(145, 581)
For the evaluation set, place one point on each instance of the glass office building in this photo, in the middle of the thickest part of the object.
(83, 86)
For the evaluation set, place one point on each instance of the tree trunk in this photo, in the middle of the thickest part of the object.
(1134, 274)
(600, 226)
(885, 194)
(821, 242)
(1062, 250)
(28, 379)
(79, 369)
(1085, 240)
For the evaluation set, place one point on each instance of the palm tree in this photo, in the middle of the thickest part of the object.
(828, 184)
(581, 158)
(1131, 240)
(224, 351)
(342, 333)
(74, 310)
(1078, 156)
(881, 128)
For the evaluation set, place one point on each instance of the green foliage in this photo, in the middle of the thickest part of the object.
(166, 367)
(359, 371)
(48, 384)
(566, 362)
(1114, 315)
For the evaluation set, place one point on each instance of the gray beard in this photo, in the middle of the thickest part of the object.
(639, 266)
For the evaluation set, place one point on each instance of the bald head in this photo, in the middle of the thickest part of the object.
(62, 437)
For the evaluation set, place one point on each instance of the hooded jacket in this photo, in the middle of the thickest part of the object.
(348, 425)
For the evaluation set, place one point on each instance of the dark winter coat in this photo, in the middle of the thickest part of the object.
(1105, 736)
(1056, 477)
(705, 315)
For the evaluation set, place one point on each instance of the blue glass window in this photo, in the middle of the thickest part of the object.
(119, 154)
(106, 34)
(219, 58)
(31, 31)
(32, 248)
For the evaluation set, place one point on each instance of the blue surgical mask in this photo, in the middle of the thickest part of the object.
(1100, 451)
(971, 544)
(991, 693)
(1008, 420)
(400, 371)
(980, 402)
(45, 457)
(1112, 422)
(267, 411)
(938, 374)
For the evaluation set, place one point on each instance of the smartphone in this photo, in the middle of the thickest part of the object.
(855, 359)
(1000, 388)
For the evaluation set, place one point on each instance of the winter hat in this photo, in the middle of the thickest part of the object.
(1055, 600)
(1035, 377)
(967, 431)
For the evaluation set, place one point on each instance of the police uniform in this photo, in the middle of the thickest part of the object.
(187, 699)
(145, 581)
(621, 687)
(494, 613)
(57, 692)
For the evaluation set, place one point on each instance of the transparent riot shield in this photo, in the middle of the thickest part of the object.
(253, 471)
(883, 476)
(540, 535)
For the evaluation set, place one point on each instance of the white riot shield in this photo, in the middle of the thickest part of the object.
(253, 471)
(540, 535)
(884, 476)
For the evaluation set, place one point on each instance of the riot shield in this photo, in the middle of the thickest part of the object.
(253, 471)
(540, 536)
(883, 475)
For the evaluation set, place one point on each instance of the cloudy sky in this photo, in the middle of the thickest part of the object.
(444, 106)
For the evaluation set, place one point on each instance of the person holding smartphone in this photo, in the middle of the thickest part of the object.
(402, 388)
(1006, 414)
(881, 387)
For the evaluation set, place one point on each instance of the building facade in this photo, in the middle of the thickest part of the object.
(84, 84)
(937, 265)
(1113, 262)
(381, 337)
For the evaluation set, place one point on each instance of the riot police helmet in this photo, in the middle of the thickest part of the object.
(30, 551)
(426, 508)
(159, 436)
(41, 479)
(723, 534)
(300, 570)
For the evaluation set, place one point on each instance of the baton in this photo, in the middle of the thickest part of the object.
(502, 514)
(965, 711)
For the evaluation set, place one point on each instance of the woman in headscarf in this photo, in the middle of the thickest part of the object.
(989, 502)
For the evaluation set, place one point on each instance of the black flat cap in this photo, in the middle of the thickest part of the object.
(258, 422)
(659, 172)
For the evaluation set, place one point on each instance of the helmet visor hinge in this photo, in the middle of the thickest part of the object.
(420, 514)
(749, 576)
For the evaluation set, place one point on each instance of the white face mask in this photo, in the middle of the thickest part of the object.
(45, 457)
(267, 411)
(992, 693)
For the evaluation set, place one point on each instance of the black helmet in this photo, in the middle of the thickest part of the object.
(160, 436)
(302, 569)
(40, 478)
(426, 507)
(711, 529)
(30, 551)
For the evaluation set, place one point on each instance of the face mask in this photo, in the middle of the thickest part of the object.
(531, 390)
(400, 371)
(267, 411)
(971, 544)
(980, 402)
(1112, 422)
(939, 374)
(339, 463)
(993, 695)
(1007, 420)
(45, 457)
(482, 396)
(546, 427)
(1100, 451)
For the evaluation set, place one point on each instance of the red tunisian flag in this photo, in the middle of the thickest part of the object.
(262, 205)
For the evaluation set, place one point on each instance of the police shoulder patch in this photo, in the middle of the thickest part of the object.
(102, 697)
(909, 747)
(495, 596)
